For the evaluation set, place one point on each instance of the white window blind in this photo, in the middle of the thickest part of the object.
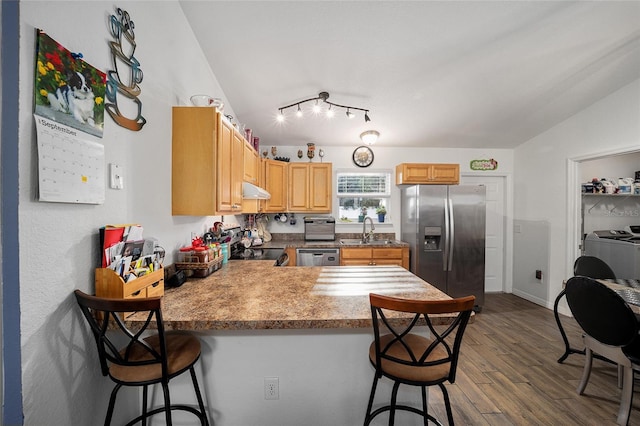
(364, 184)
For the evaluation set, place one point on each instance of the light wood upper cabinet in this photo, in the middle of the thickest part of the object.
(427, 173)
(207, 163)
(310, 187)
(251, 164)
(194, 157)
(276, 176)
(252, 174)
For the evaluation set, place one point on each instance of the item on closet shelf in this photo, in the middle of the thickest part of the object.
(625, 185)
(609, 187)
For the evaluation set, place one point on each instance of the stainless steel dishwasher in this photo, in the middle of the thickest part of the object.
(318, 257)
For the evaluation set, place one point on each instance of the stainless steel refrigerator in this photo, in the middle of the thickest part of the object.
(445, 228)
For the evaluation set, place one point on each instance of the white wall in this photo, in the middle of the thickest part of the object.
(542, 168)
(59, 249)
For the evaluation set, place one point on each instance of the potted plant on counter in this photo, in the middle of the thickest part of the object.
(381, 211)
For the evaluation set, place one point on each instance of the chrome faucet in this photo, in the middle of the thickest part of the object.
(366, 236)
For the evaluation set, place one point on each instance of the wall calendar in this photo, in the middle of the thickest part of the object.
(70, 169)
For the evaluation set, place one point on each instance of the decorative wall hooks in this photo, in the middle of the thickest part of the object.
(122, 49)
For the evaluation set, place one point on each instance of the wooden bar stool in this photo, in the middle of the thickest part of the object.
(423, 357)
(142, 361)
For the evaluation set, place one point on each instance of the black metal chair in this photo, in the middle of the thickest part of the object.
(587, 266)
(611, 330)
(143, 360)
(413, 356)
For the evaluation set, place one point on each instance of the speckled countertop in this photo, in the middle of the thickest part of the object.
(246, 295)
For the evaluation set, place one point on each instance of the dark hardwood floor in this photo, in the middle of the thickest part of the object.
(509, 375)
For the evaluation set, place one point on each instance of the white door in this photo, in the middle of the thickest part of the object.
(495, 230)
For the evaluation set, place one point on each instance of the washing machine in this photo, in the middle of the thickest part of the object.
(620, 249)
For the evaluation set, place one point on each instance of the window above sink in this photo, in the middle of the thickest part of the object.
(363, 194)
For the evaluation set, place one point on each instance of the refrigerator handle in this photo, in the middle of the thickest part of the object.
(450, 237)
(445, 252)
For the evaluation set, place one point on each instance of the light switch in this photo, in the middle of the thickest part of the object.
(116, 180)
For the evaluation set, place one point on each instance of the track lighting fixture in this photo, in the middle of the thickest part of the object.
(369, 137)
(322, 96)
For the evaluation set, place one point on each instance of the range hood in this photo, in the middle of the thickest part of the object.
(253, 192)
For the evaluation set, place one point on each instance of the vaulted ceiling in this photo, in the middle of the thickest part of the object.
(479, 74)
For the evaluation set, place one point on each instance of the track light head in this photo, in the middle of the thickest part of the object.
(299, 112)
(350, 114)
(330, 112)
(366, 117)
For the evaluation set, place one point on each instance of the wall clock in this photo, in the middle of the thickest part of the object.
(363, 156)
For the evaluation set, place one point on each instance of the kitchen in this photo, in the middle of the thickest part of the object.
(39, 312)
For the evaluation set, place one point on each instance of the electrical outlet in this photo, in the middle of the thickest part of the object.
(271, 388)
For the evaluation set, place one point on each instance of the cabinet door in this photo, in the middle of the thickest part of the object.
(275, 182)
(298, 187)
(320, 188)
(251, 162)
(237, 166)
(412, 173)
(445, 173)
(251, 171)
(225, 176)
(390, 256)
(193, 159)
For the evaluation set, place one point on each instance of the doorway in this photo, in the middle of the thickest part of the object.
(576, 168)
(494, 278)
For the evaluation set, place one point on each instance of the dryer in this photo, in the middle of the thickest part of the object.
(620, 249)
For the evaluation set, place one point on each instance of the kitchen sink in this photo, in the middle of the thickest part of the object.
(358, 242)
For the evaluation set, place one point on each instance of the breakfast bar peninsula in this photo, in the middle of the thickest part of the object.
(309, 327)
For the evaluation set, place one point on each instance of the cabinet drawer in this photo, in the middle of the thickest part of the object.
(156, 289)
(356, 253)
(140, 294)
(387, 253)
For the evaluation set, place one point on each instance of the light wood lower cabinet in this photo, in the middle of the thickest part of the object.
(375, 256)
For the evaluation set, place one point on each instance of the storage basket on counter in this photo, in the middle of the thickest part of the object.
(198, 262)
